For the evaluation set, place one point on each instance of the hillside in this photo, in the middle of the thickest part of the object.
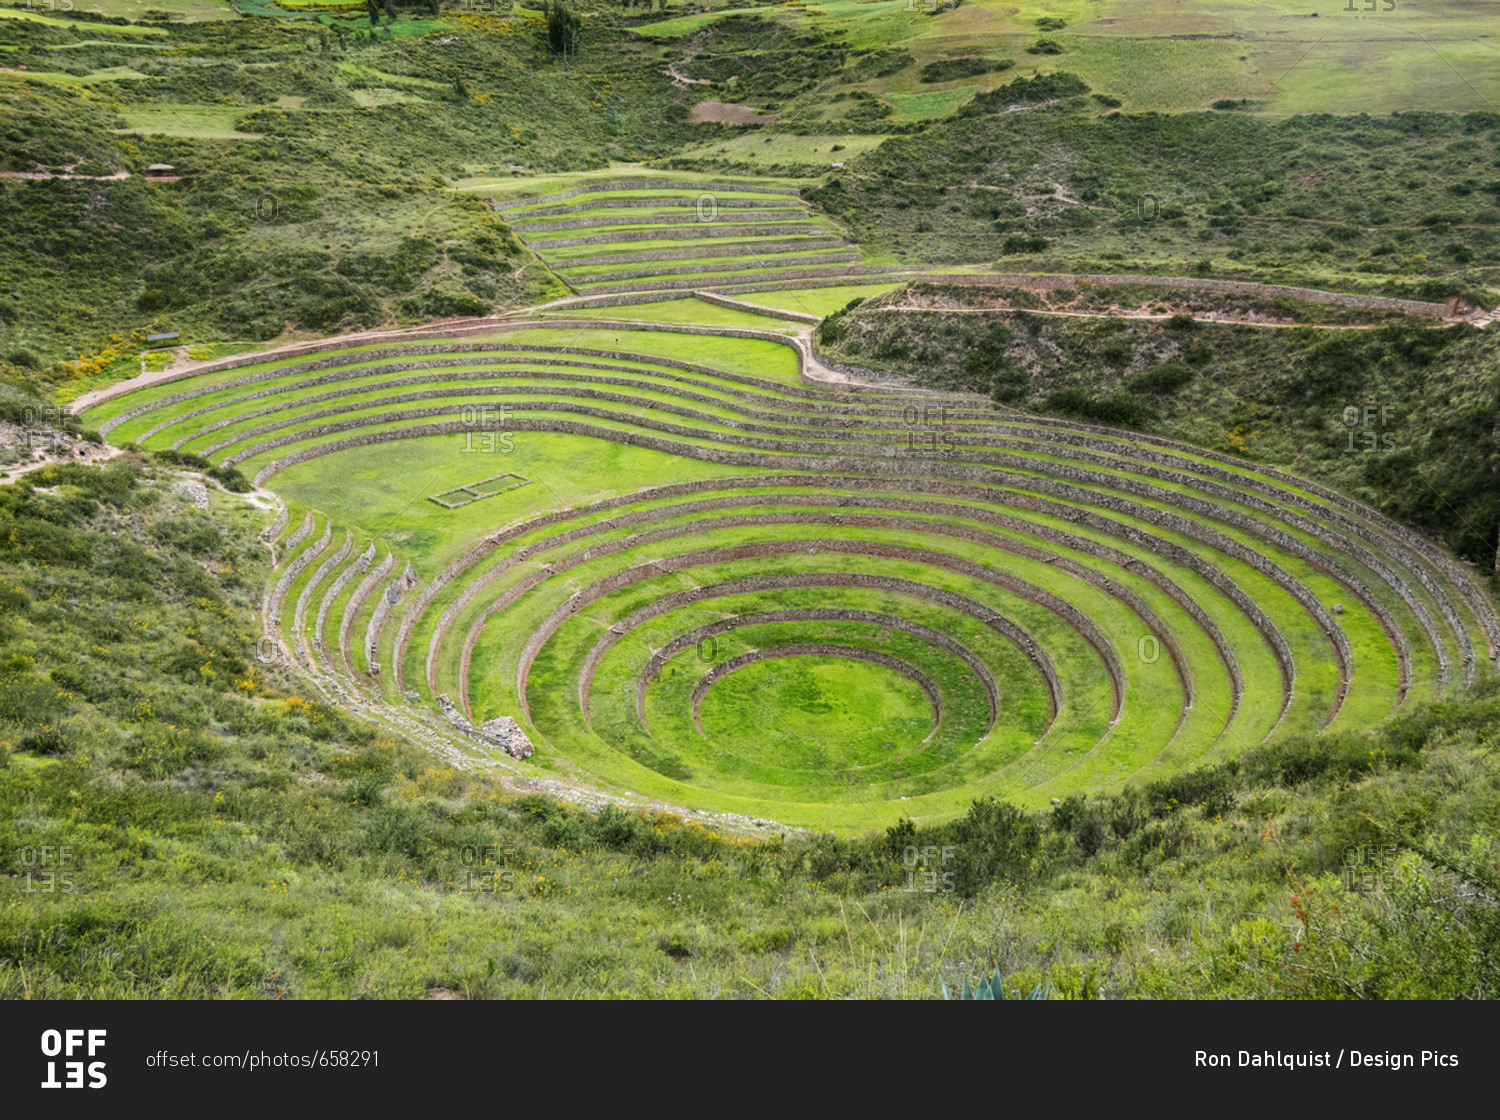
(810, 500)
(230, 835)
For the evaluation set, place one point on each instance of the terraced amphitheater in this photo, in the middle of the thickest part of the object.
(682, 567)
(647, 237)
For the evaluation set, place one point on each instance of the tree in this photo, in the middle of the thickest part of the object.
(564, 27)
(460, 91)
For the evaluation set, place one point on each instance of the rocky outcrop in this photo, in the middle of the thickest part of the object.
(502, 732)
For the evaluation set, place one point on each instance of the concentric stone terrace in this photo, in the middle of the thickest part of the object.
(618, 237)
(723, 586)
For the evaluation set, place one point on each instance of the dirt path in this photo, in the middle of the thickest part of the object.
(682, 81)
(290, 349)
(122, 174)
(722, 112)
(1130, 315)
(92, 454)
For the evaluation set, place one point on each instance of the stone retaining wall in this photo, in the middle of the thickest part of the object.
(642, 185)
(1071, 615)
(1208, 510)
(1069, 496)
(1100, 581)
(802, 581)
(361, 563)
(757, 309)
(1410, 538)
(422, 349)
(304, 600)
(749, 267)
(692, 638)
(783, 214)
(277, 527)
(301, 534)
(807, 229)
(667, 203)
(726, 502)
(293, 570)
(760, 247)
(395, 591)
(356, 602)
(707, 269)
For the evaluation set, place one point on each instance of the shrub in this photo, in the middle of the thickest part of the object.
(1122, 409)
(952, 69)
(1212, 789)
(566, 831)
(395, 828)
(45, 739)
(1163, 379)
(618, 828)
(1198, 354)
(995, 841)
(194, 534)
(1021, 243)
(367, 790)
(231, 479)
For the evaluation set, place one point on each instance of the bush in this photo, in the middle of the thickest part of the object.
(1212, 789)
(1198, 354)
(1045, 46)
(231, 479)
(1163, 379)
(952, 69)
(367, 790)
(620, 829)
(1294, 761)
(1019, 243)
(566, 831)
(171, 458)
(996, 841)
(194, 534)
(46, 739)
(1122, 409)
(30, 538)
(395, 828)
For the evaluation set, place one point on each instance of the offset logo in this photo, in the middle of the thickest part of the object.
(74, 1046)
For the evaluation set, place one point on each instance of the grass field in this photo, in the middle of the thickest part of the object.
(200, 122)
(187, 10)
(1291, 58)
(38, 14)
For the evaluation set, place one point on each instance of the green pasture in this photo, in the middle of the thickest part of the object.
(756, 149)
(194, 122)
(188, 10)
(37, 15)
